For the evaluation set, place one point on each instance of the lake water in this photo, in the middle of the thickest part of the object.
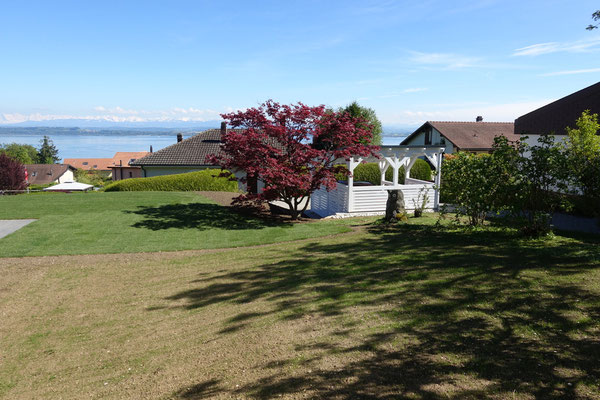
(105, 146)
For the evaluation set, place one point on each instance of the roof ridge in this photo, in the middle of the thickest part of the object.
(473, 122)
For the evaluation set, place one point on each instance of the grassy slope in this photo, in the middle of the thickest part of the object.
(91, 223)
(407, 312)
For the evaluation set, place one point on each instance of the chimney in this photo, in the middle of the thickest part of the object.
(479, 118)
(150, 148)
(223, 128)
(179, 137)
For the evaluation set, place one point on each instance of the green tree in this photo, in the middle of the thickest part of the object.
(48, 153)
(595, 17)
(583, 154)
(368, 114)
(24, 153)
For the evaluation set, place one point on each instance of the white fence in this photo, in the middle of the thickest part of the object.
(370, 199)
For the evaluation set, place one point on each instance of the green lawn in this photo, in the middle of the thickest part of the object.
(121, 222)
(403, 312)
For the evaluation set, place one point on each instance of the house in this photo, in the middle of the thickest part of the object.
(121, 168)
(556, 116)
(476, 137)
(184, 156)
(45, 174)
(190, 155)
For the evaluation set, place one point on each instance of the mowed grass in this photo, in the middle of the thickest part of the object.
(410, 311)
(123, 222)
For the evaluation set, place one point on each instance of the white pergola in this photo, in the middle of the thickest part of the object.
(348, 198)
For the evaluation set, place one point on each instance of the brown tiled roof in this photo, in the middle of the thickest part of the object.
(555, 117)
(102, 164)
(189, 152)
(470, 135)
(43, 174)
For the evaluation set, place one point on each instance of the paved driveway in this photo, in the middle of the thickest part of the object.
(8, 226)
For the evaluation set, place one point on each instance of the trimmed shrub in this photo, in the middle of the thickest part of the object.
(421, 170)
(369, 172)
(208, 180)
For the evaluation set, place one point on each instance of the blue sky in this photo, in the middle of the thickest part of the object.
(410, 61)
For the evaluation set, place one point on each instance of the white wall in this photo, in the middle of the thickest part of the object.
(368, 199)
(66, 177)
(436, 140)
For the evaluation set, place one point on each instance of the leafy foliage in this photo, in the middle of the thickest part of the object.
(471, 182)
(48, 153)
(12, 174)
(421, 170)
(533, 174)
(595, 17)
(24, 153)
(92, 177)
(368, 114)
(583, 156)
(274, 146)
(207, 180)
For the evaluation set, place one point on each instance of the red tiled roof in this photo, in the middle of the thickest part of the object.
(101, 164)
(124, 158)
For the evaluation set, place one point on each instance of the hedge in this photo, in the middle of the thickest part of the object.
(207, 180)
(421, 170)
(369, 172)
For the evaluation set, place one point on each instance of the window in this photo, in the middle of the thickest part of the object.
(428, 136)
(85, 163)
(130, 174)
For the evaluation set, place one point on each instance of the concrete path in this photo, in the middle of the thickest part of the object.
(8, 226)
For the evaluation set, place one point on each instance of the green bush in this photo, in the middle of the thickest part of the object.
(421, 170)
(369, 172)
(208, 180)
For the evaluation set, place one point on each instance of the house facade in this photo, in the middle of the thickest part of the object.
(475, 137)
(121, 165)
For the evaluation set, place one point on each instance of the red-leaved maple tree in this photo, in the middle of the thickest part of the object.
(291, 149)
(12, 174)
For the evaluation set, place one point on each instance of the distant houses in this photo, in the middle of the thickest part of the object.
(46, 174)
(118, 166)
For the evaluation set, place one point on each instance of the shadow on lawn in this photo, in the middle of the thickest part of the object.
(465, 315)
(199, 216)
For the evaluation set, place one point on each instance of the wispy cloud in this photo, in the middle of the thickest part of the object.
(403, 92)
(444, 60)
(572, 72)
(506, 112)
(119, 114)
(579, 46)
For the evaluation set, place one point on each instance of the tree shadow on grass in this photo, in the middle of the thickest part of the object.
(200, 216)
(466, 314)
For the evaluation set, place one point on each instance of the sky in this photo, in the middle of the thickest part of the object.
(411, 61)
